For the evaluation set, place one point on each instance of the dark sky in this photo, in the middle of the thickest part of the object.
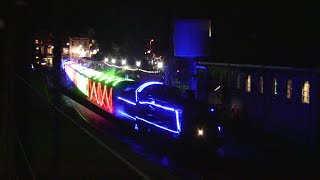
(244, 31)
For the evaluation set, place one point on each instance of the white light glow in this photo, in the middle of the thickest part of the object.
(138, 63)
(37, 48)
(123, 62)
(113, 61)
(160, 65)
(149, 51)
(200, 132)
(106, 59)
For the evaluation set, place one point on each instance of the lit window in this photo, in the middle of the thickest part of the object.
(306, 92)
(238, 81)
(289, 89)
(275, 84)
(261, 84)
(248, 83)
(36, 41)
(210, 29)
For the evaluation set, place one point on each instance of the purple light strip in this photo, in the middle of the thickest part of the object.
(127, 115)
(126, 100)
(177, 120)
(158, 105)
(140, 88)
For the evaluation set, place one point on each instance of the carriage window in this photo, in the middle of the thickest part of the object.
(248, 83)
(261, 84)
(306, 92)
(238, 81)
(275, 86)
(289, 89)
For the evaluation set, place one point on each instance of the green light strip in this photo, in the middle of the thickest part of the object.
(116, 82)
(105, 77)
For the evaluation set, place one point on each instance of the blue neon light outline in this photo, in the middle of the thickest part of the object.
(158, 105)
(177, 120)
(141, 87)
(164, 128)
(126, 100)
(127, 115)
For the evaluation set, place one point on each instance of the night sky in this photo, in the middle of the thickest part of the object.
(253, 32)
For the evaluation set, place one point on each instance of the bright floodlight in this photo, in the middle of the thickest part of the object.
(106, 59)
(123, 62)
(138, 63)
(149, 51)
(68, 44)
(113, 61)
(160, 65)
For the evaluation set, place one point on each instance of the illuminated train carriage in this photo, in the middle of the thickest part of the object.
(149, 106)
(99, 87)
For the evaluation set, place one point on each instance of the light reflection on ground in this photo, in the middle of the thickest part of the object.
(138, 144)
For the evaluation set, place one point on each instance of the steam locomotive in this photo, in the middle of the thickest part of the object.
(149, 106)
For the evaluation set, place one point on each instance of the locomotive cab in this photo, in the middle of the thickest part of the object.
(160, 108)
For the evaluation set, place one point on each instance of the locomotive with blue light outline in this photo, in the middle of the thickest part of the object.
(149, 106)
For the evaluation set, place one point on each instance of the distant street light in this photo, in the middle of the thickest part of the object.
(106, 59)
(113, 61)
(123, 62)
(150, 42)
(138, 63)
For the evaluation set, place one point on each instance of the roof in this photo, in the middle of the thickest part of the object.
(284, 68)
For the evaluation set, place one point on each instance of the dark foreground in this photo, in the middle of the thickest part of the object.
(60, 136)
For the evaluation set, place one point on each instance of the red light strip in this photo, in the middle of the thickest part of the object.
(101, 96)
